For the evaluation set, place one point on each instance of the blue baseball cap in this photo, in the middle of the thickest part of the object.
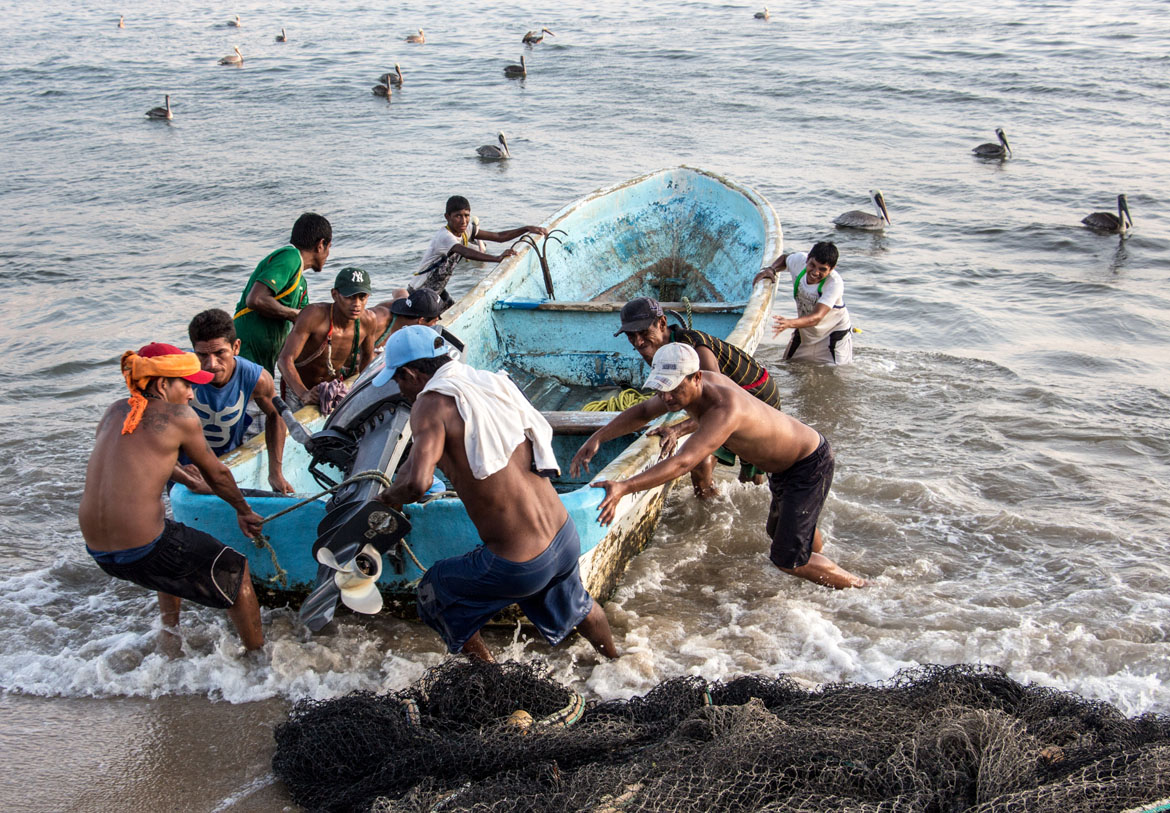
(410, 344)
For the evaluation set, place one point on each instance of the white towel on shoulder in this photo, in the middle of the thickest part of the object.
(498, 418)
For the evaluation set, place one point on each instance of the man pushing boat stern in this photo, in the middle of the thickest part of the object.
(496, 450)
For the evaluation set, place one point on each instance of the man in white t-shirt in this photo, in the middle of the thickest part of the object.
(821, 331)
(462, 239)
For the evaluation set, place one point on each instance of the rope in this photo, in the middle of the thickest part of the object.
(262, 542)
(623, 400)
(690, 313)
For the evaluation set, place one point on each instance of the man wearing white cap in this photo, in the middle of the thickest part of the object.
(496, 449)
(798, 457)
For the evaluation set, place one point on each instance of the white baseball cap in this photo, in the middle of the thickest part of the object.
(672, 363)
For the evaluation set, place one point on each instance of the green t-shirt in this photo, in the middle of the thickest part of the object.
(260, 336)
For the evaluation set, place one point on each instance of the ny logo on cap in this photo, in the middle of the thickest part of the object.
(359, 275)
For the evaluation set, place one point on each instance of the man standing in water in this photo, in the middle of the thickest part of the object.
(799, 458)
(277, 290)
(821, 331)
(496, 450)
(121, 513)
(644, 323)
(329, 343)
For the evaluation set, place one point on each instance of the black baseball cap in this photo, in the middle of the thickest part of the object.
(421, 304)
(639, 314)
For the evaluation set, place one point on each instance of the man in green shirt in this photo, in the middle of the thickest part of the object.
(277, 290)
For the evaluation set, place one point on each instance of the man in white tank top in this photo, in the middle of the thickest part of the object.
(822, 331)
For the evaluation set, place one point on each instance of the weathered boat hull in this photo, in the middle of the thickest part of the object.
(670, 234)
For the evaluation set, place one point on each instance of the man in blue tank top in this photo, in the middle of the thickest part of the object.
(222, 403)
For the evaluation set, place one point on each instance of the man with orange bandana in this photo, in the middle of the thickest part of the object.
(121, 513)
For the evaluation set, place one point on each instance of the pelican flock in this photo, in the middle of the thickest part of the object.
(1118, 223)
(161, 112)
(494, 152)
(233, 59)
(1000, 150)
(858, 219)
(516, 71)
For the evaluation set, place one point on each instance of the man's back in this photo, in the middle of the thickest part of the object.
(516, 511)
(121, 506)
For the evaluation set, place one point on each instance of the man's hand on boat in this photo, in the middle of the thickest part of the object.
(279, 484)
(580, 461)
(614, 491)
(668, 435)
(250, 523)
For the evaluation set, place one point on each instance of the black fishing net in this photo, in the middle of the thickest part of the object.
(475, 736)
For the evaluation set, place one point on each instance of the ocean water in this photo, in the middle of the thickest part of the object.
(1002, 437)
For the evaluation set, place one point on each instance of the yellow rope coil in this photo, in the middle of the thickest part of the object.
(623, 400)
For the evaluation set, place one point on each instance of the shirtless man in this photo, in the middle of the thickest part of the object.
(329, 342)
(799, 458)
(421, 307)
(530, 546)
(121, 511)
(221, 404)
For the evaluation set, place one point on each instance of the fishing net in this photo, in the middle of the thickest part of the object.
(506, 737)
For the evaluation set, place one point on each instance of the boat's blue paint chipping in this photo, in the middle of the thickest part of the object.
(678, 235)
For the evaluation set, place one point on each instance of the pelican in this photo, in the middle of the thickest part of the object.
(383, 90)
(858, 219)
(763, 15)
(1000, 150)
(420, 37)
(233, 59)
(160, 112)
(516, 71)
(392, 78)
(533, 37)
(281, 37)
(493, 152)
(1118, 223)
(121, 21)
(235, 23)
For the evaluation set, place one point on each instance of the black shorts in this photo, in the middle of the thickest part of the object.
(798, 494)
(189, 564)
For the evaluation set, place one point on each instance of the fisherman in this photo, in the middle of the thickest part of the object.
(798, 457)
(462, 238)
(341, 334)
(821, 331)
(645, 325)
(421, 307)
(277, 290)
(496, 450)
(121, 513)
(221, 403)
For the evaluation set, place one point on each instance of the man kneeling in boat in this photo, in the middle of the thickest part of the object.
(798, 457)
(121, 513)
(224, 404)
(341, 337)
(496, 449)
(644, 323)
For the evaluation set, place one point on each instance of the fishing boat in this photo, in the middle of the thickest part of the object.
(687, 237)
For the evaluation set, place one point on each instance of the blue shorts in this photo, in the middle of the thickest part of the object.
(457, 596)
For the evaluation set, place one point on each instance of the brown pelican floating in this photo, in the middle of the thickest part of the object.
(1000, 150)
(491, 151)
(858, 219)
(1118, 223)
(516, 71)
(233, 59)
(160, 112)
(235, 23)
(281, 37)
(533, 37)
(384, 91)
(420, 37)
(392, 78)
(121, 21)
(763, 15)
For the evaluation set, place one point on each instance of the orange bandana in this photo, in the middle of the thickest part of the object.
(138, 371)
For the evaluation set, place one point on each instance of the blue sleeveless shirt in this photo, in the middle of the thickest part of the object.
(223, 410)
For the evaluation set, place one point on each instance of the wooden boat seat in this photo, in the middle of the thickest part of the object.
(610, 307)
(577, 423)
